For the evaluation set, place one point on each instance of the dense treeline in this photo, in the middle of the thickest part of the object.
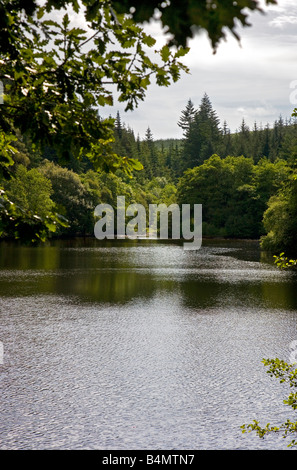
(56, 152)
(234, 193)
(204, 137)
(244, 180)
(65, 195)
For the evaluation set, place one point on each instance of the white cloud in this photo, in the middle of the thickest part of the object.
(283, 20)
(256, 112)
(250, 80)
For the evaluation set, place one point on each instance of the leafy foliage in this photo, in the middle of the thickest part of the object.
(183, 19)
(283, 262)
(280, 219)
(30, 190)
(232, 193)
(25, 224)
(56, 75)
(71, 198)
(285, 373)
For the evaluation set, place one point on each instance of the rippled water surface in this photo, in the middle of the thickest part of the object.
(141, 345)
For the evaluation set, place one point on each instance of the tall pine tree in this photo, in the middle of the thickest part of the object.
(187, 118)
(204, 136)
(153, 160)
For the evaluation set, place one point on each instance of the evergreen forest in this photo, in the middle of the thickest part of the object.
(245, 180)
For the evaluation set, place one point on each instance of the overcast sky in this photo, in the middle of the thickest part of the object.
(250, 80)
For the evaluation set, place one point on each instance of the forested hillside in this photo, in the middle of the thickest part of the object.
(59, 158)
(244, 180)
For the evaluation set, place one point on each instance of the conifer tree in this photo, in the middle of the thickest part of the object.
(204, 135)
(153, 162)
(118, 125)
(255, 143)
(174, 161)
(187, 118)
(243, 140)
(266, 142)
(277, 138)
(288, 149)
(226, 146)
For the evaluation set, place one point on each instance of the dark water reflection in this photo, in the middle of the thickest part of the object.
(102, 272)
(141, 344)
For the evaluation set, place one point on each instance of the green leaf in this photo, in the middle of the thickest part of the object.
(66, 21)
(148, 40)
(182, 51)
(135, 164)
(40, 12)
(51, 23)
(165, 53)
(145, 82)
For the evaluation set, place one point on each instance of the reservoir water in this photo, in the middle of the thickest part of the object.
(141, 345)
